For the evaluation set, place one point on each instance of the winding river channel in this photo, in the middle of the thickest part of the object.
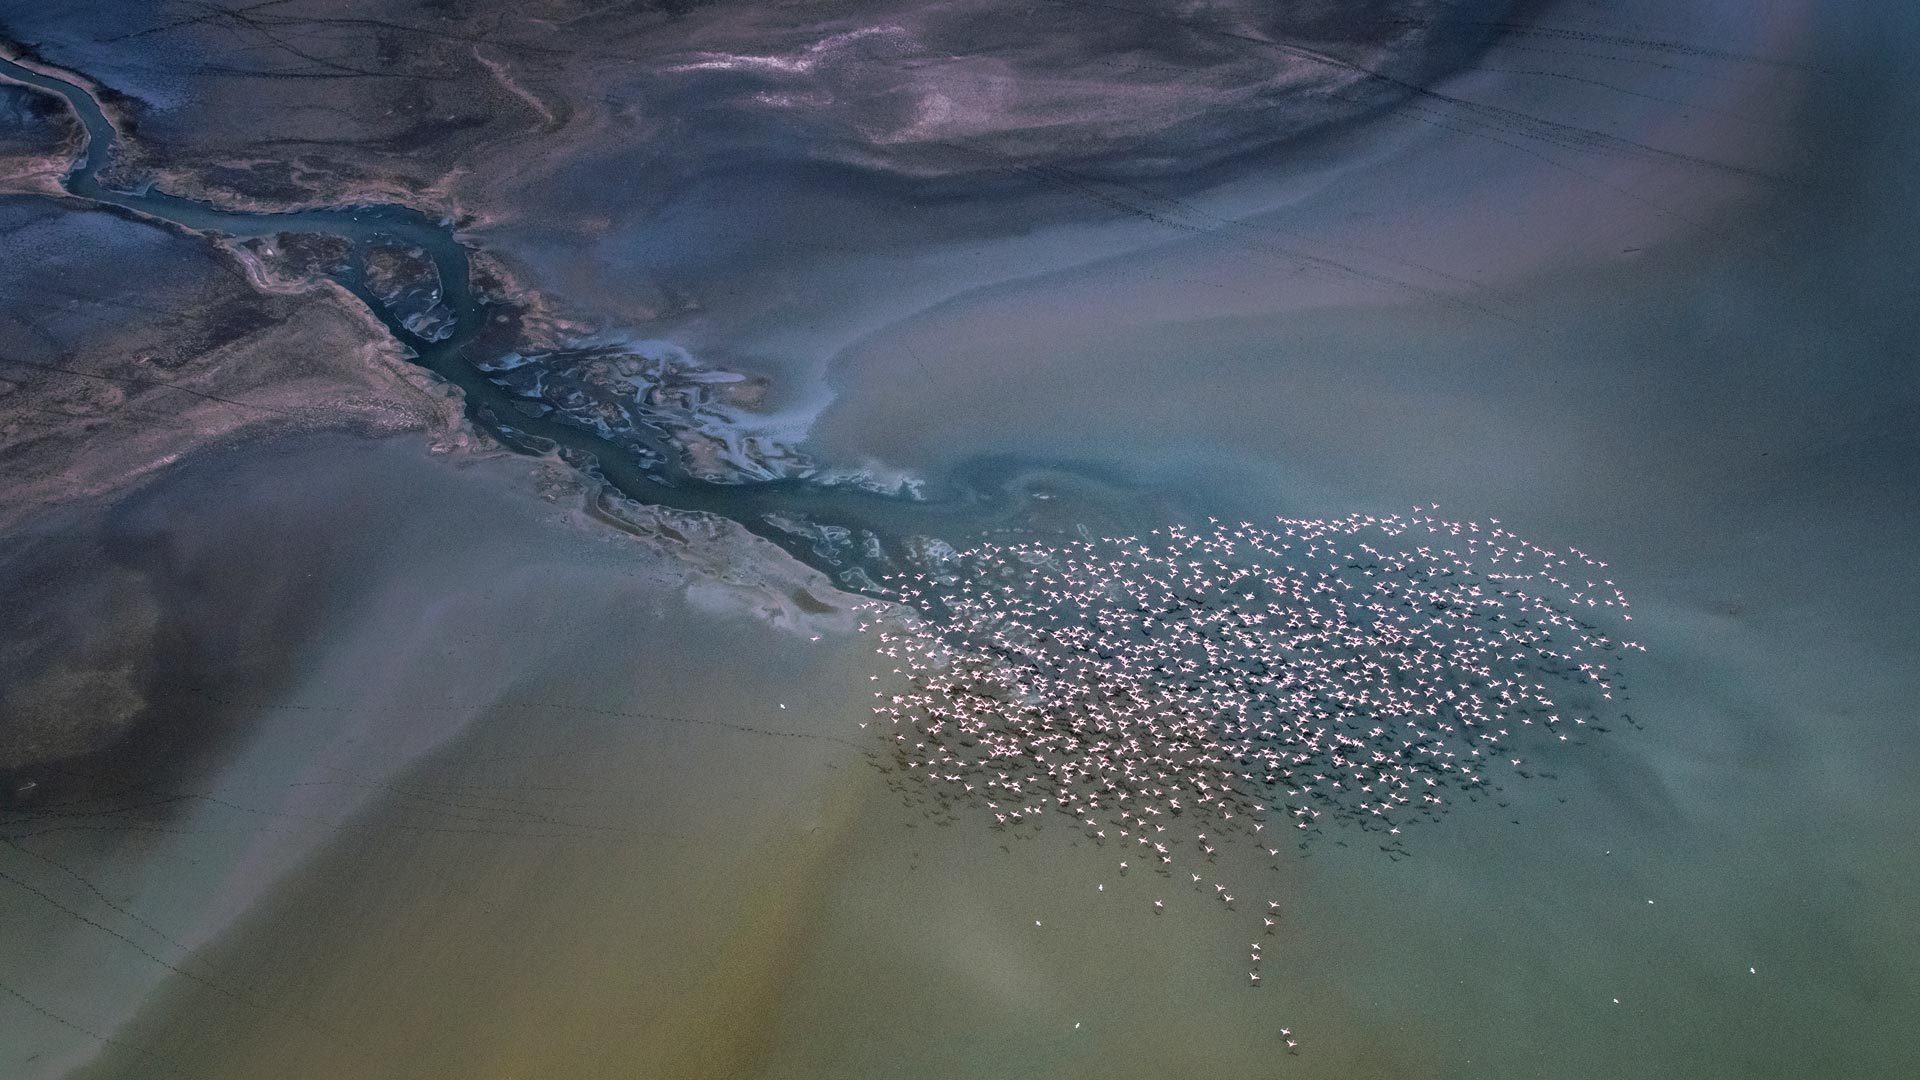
(846, 530)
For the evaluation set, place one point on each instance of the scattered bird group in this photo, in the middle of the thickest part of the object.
(1172, 693)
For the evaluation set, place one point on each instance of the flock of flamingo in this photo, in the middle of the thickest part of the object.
(1170, 694)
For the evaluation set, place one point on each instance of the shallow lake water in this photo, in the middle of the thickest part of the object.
(496, 791)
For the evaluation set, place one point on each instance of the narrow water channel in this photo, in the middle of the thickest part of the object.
(848, 531)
